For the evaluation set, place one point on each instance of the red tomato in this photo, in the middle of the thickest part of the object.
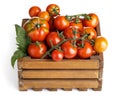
(57, 55)
(53, 38)
(69, 50)
(34, 11)
(36, 28)
(101, 44)
(45, 15)
(77, 24)
(61, 23)
(86, 51)
(92, 22)
(38, 34)
(70, 32)
(37, 50)
(91, 31)
(53, 9)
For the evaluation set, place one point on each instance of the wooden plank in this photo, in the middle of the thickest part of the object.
(24, 20)
(30, 74)
(29, 63)
(57, 84)
(98, 29)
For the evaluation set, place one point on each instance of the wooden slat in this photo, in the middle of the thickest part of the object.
(81, 84)
(29, 63)
(98, 29)
(30, 74)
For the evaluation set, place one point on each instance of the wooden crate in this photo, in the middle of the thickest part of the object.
(38, 74)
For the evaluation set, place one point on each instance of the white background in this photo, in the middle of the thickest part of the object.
(13, 11)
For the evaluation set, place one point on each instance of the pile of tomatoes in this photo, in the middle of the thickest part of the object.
(57, 36)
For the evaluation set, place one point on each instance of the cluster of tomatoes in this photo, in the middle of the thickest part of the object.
(57, 36)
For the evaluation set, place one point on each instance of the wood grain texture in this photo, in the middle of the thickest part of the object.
(55, 84)
(74, 74)
(29, 63)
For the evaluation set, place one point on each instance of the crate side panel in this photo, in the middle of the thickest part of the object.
(34, 74)
(57, 84)
(65, 64)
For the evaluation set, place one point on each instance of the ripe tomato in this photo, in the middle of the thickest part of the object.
(37, 29)
(34, 23)
(77, 24)
(45, 15)
(53, 38)
(61, 23)
(91, 31)
(70, 32)
(38, 34)
(92, 22)
(86, 51)
(57, 55)
(37, 50)
(34, 10)
(53, 9)
(101, 44)
(69, 50)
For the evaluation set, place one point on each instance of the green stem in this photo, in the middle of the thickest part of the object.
(83, 39)
(54, 47)
(78, 15)
(59, 44)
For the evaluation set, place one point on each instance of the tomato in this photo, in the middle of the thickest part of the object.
(71, 32)
(91, 31)
(38, 34)
(37, 50)
(101, 44)
(57, 55)
(53, 9)
(61, 23)
(92, 22)
(34, 10)
(34, 23)
(37, 29)
(77, 23)
(86, 51)
(45, 15)
(69, 50)
(53, 38)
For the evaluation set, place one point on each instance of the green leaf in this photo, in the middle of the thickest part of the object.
(22, 42)
(22, 39)
(17, 54)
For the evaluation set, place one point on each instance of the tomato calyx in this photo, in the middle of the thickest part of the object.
(55, 10)
(37, 43)
(37, 25)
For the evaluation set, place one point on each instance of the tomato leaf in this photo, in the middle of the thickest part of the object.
(22, 42)
(22, 39)
(17, 54)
